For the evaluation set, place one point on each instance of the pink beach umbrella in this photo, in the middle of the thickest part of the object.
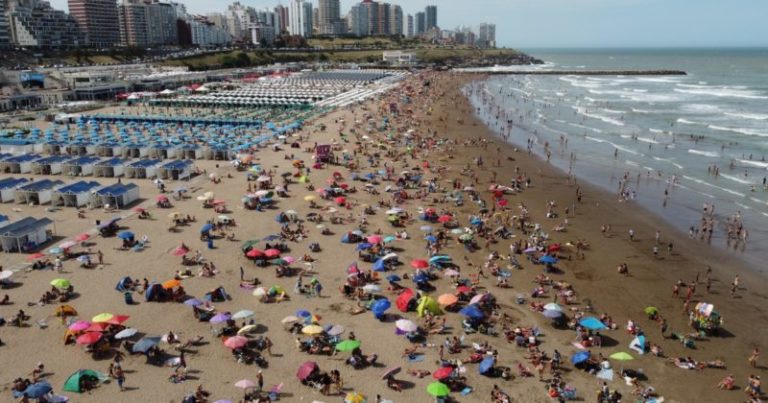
(80, 325)
(235, 342)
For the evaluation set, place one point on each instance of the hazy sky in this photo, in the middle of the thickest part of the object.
(584, 23)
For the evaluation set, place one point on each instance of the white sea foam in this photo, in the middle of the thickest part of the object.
(711, 154)
(700, 108)
(749, 132)
(585, 127)
(723, 92)
(595, 139)
(632, 163)
(678, 166)
(759, 164)
(647, 140)
(606, 119)
(702, 182)
(688, 122)
(736, 179)
(744, 115)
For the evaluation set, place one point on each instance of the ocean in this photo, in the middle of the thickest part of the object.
(669, 143)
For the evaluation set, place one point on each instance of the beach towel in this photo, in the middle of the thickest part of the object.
(415, 358)
(466, 391)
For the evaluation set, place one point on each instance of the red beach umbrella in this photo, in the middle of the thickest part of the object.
(419, 264)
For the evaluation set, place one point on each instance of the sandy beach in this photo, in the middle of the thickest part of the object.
(436, 111)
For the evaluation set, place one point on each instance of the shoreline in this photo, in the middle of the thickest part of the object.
(443, 108)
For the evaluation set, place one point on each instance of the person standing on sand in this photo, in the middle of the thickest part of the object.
(753, 358)
(100, 256)
(120, 376)
(631, 234)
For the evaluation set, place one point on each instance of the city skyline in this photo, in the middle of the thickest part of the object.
(581, 23)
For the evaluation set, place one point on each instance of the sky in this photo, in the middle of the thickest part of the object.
(583, 23)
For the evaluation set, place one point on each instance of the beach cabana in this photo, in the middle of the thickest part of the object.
(20, 164)
(176, 170)
(37, 192)
(25, 235)
(142, 169)
(49, 165)
(17, 146)
(75, 194)
(135, 150)
(118, 195)
(8, 188)
(80, 166)
(108, 150)
(110, 168)
(188, 152)
(161, 151)
(218, 153)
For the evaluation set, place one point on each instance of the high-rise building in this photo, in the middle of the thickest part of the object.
(147, 23)
(421, 23)
(34, 23)
(5, 36)
(329, 18)
(133, 24)
(431, 17)
(357, 20)
(265, 28)
(282, 16)
(409, 28)
(239, 18)
(383, 19)
(396, 21)
(486, 35)
(300, 16)
(97, 19)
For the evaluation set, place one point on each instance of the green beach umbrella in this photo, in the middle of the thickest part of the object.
(438, 389)
(621, 356)
(280, 262)
(347, 345)
(389, 239)
(248, 244)
(60, 283)
(651, 310)
(73, 382)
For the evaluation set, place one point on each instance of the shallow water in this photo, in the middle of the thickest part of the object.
(663, 133)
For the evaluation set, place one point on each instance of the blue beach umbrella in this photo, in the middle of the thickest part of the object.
(580, 357)
(592, 323)
(472, 312)
(206, 228)
(379, 265)
(487, 364)
(364, 246)
(146, 343)
(548, 259)
(379, 307)
(125, 235)
(393, 278)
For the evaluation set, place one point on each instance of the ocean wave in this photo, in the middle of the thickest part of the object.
(759, 164)
(585, 127)
(744, 115)
(723, 92)
(749, 132)
(606, 119)
(688, 122)
(647, 140)
(631, 163)
(596, 140)
(678, 166)
(755, 199)
(651, 97)
(711, 154)
(736, 179)
(705, 183)
(580, 83)
(659, 79)
(700, 108)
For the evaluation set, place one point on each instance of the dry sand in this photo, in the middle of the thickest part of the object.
(650, 283)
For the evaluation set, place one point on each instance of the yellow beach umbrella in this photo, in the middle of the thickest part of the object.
(102, 317)
(312, 329)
